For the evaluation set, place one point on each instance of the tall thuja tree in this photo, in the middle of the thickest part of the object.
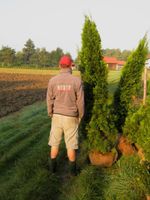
(89, 61)
(130, 82)
(94, 75)
(101, 130)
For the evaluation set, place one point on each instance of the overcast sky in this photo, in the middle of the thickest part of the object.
(58, 23)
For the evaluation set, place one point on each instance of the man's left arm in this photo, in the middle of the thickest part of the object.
(80, 100)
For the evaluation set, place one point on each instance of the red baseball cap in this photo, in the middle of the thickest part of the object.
(66, 61)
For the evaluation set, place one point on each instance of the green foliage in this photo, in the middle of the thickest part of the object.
(28, 51)
(128, 180)
(30, 56)
(102, 133)
(101, 129)
(19, 59)
(94, 74)
(137, 128)
(148, 88)
(89, 57)
(55, 56)
(90, 185)
(90, 54)
(130, 82)
(7, 56)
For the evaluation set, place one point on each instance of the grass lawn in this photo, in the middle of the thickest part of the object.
(113, 79)
(24, 151)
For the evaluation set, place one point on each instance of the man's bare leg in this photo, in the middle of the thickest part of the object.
(54, 152)
(71, 154)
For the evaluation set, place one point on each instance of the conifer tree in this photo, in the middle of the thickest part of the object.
(94, 74)
(130, 82)
(89, 56)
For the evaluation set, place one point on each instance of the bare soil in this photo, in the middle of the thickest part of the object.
(18, 90)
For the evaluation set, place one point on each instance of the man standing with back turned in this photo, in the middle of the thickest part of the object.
(65, 104)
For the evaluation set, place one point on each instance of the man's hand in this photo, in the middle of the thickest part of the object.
(50, 115)
(79, 120)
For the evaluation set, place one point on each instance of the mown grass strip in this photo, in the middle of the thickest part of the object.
(30, 176)
(24, 173)
(29, 157)
(25, 134)
(24, 168)
(21, 118)
(19, 134)
(42, 185)
(19, 149)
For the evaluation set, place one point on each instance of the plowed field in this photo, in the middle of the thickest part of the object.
(18, 90)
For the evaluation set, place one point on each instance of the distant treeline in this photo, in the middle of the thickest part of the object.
(30, 56)
(120, 55)
(40, 57)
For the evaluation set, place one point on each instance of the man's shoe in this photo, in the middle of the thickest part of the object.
(52, 164)
(72, 168)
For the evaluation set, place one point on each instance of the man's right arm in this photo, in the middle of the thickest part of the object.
(50, 99)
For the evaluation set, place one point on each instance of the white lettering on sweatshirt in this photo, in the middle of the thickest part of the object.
(64, 87)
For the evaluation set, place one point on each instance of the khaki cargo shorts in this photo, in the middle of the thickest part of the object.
(64, 125)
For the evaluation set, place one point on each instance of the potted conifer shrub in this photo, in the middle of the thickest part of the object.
(128, 92)
(137, 130)
(100, 131)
